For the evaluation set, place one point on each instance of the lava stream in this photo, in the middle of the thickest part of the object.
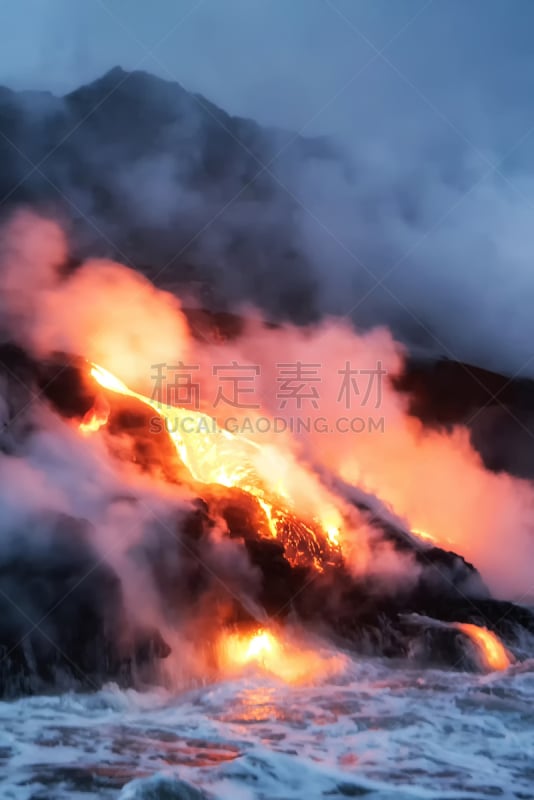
(214, 455)
(492, 651)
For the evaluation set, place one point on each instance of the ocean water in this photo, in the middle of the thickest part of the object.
(374, 729)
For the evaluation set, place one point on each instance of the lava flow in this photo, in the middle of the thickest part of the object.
(214, 455)
(267, 651)
(491, 650)
(96, 417)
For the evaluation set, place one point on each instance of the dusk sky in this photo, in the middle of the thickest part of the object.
(431, 99)
(319, 63)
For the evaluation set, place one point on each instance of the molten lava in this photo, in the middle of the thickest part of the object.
(314, 536)
(214, 455)
(423, 535)
(491, 650)
(262, 645)
(96, 417)
(265, 650)
(236, 651)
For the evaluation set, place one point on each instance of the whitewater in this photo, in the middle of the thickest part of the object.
(377, 728)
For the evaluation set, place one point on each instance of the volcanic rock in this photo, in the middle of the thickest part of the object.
(90, 639)
(137, 166)
(497, 410)
(63, 623)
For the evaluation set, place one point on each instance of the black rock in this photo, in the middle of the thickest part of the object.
(63, 623)
(136, 167)
(497, 409)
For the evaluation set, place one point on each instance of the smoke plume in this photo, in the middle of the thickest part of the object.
(434, 481)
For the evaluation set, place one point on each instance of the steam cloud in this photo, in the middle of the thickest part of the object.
(430, 184)
(435, 481)
(432, 199)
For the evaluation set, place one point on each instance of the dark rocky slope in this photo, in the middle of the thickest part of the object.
(64, 623)
(145, 172)
(136, 167)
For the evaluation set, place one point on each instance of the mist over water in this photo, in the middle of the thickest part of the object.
(255, 738)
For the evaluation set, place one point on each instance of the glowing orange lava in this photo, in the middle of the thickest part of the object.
(259, 647)
(96, 417)
(424, 535)
(265, 650)
(214, 455)
(491, 649)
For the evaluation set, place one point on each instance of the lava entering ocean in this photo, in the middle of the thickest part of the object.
(272, 653)
(492, 651)
(214, 456)
(372, 537)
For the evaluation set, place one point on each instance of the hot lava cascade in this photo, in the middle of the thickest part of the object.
(204, 532)
(243, 563)
(491, 649)
(215, 456)
(304, 553)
